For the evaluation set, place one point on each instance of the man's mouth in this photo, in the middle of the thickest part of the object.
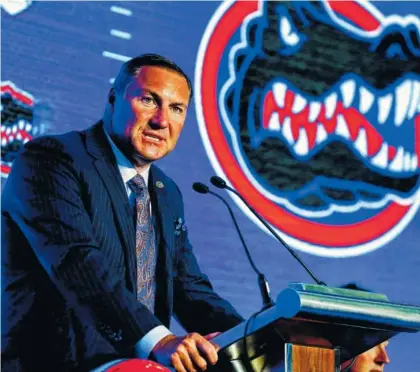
(155, 138)
(370, 123)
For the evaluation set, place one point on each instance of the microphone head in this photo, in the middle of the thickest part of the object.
(200, 187)
(218, 182)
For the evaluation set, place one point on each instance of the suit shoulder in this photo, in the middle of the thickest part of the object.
(66, 145)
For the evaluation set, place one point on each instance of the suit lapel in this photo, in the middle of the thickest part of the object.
(98, 146)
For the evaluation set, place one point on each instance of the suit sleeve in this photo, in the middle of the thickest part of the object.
(45, 201)
(196, 305)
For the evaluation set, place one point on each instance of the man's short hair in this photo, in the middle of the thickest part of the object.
(355, 286)
(131, 69)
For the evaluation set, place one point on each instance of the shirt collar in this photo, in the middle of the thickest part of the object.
(125, 166)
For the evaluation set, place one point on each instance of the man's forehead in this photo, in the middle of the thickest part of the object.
(160, 81)
(153, 77)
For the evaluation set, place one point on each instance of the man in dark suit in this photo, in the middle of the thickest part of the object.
(95, 251)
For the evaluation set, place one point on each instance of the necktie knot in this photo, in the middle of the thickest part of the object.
(137, 184)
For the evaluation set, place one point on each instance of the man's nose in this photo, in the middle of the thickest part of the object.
(160, 119)
(382, 356)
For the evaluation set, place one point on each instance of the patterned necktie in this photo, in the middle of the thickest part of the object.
(145, 243)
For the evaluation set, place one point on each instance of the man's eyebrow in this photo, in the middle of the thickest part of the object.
(157, 98)
(179, 104)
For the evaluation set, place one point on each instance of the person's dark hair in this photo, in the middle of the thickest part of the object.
(131, 68)
(354, 286)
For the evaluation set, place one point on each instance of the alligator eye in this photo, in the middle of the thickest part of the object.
(287, 34)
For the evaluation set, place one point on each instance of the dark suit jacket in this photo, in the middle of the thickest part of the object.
(69, 266)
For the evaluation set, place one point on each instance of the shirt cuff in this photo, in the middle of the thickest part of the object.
(144, 347)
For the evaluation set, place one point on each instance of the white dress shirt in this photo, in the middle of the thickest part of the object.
(144, 346)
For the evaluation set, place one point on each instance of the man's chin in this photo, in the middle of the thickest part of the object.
(145, 158)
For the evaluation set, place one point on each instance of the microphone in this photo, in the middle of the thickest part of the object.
(262, 281)
(221, 184)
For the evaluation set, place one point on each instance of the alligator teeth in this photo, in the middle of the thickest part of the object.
(402, 101)
(3, 141)
(28, 127)
(321, 133)
(415, 97)
(361, 142)
(21, 124)
(397, 163)
(347, 92)
(274, 123)
(366, 100)
(287, 131)
(384, 107)
(381, 158)
(407, 161)
(301, 147)
(341, 128)
(314, 110)
(414, 162)
(279, 91)
(330, 105)
(299, 104)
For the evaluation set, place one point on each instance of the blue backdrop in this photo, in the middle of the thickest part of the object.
(58, 61)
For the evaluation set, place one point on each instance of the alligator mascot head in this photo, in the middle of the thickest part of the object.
(21, 119)
(325, 114)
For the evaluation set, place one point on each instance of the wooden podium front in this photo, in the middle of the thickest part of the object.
(301, 358)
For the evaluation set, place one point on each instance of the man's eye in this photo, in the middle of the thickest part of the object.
(147, 100)
(178, 110)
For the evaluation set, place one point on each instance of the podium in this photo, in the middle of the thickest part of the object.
(313, 328)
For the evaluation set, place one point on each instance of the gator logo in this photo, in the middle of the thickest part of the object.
(311, 110)
(19, 123)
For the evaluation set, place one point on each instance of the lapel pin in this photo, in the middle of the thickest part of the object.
(159, 184)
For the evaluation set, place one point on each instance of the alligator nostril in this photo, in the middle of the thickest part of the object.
(397, 43)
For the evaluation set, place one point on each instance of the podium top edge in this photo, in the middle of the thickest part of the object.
(342, 292)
